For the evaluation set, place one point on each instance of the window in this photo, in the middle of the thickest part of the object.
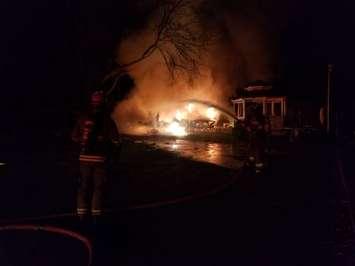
(277, 109)
(240, 110)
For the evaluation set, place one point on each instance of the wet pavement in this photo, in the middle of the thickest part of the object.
(220, 154)
(284, 217)
(44, 181)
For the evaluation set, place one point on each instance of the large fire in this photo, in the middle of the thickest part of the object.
(185, 119)
(174, 128)
(181, 118)
(211, 113)
(190, 107)
(179, 115)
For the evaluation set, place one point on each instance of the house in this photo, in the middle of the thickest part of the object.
(273, 104)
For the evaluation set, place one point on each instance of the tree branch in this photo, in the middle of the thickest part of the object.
(179, 38)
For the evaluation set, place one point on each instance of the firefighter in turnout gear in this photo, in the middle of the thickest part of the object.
(97, 134)
(258, 127)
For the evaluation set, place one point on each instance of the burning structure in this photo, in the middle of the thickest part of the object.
(184, 118)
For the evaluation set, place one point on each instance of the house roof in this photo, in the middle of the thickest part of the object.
(260, 89)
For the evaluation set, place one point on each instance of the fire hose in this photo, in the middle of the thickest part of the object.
(55, 230)
(85, 240)
(156, 204)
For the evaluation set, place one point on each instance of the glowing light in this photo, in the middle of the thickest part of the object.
(174, 146)
(211, 113)
(178, 115)
(190, 107)
(176, 129)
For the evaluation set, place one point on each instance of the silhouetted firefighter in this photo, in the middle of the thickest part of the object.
(97, 136)
(100, 144)
(257, 127)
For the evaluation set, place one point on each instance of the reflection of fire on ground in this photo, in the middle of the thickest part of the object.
(184, 119)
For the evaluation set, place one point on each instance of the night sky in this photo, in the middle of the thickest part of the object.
(51, 51)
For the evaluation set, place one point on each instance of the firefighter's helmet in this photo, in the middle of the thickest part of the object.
(97, 98)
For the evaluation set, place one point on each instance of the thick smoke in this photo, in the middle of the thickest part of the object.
(244, 51)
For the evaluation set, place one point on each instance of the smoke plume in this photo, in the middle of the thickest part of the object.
(244, 51)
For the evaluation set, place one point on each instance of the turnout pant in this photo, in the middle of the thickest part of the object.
(92, 185)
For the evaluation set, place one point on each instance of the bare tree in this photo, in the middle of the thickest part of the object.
(179, 37)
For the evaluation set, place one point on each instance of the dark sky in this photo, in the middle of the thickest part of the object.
(51, 50)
